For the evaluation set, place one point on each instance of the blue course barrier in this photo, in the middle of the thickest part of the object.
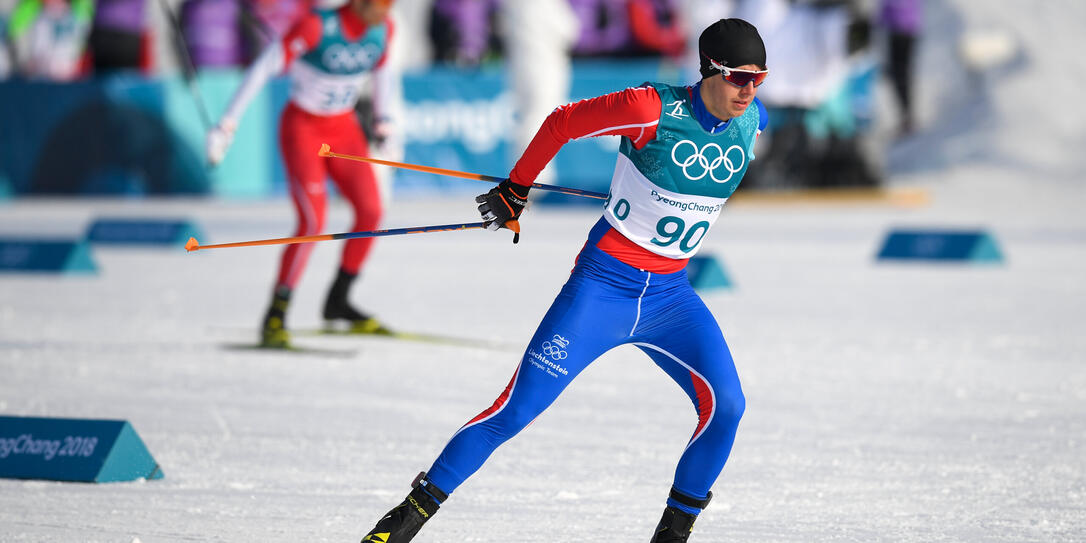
(83, 450)
(707, 273)
(939, 245)
(26, 255)
(127, 231)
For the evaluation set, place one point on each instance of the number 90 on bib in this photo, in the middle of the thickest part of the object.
(668, 225)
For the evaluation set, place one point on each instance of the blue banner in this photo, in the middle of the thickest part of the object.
(129, 135)
(464, 120)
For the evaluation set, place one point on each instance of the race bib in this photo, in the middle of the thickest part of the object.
(664, 222)
(322, 93)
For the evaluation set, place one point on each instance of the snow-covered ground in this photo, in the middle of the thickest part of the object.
(886, 402)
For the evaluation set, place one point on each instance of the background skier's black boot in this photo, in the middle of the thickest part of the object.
(337, 308)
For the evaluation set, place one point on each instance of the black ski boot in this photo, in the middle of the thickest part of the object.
(404, 521)
(337, 308)
(274, 333)
(676, 524)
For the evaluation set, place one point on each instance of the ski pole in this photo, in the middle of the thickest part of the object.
(193, 245)
(325, 150)
(188, 67)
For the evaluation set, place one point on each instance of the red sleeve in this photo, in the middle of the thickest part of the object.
(632, 113)
(303, 36)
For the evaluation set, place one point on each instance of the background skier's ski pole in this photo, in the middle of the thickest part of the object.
(325, 150)
(188, 68)
(194, 245)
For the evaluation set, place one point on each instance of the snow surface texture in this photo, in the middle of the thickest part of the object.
(886, 402)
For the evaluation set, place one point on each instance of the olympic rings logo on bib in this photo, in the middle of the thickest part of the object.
(699, 160)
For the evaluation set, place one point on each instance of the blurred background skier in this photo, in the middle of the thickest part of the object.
(330, 54)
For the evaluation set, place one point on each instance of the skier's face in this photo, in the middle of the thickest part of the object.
(725, 100)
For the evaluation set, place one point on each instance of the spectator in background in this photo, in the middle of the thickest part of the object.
(412, 20)
(657, 26)
(814, 140)
(696, 14)
(538, 38)
(121, 37)
(262, 21)
(212, 31)
(49, 38)
(629, 27)
(902, 20)
(7, 64)
(604, 27)
(807, 42)
(228, 33)
(464, 32)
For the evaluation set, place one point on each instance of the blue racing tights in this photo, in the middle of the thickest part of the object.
(604, 304)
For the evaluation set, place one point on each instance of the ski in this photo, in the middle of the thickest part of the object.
(293, 349)
(380, 335)
(414, 337)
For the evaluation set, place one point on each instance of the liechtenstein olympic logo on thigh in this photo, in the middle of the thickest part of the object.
(698, 160)
(554, 347)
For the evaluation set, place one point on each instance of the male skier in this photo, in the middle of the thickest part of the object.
(683, 152)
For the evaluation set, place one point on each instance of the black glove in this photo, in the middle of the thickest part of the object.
(503, 204)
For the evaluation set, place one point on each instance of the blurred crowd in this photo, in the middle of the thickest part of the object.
(64, 40)
(824, 54)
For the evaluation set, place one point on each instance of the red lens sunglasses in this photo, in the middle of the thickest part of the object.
(739, 78)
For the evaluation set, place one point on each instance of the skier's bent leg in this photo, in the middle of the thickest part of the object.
(701, 364)
(581, 325)
(569, 338)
